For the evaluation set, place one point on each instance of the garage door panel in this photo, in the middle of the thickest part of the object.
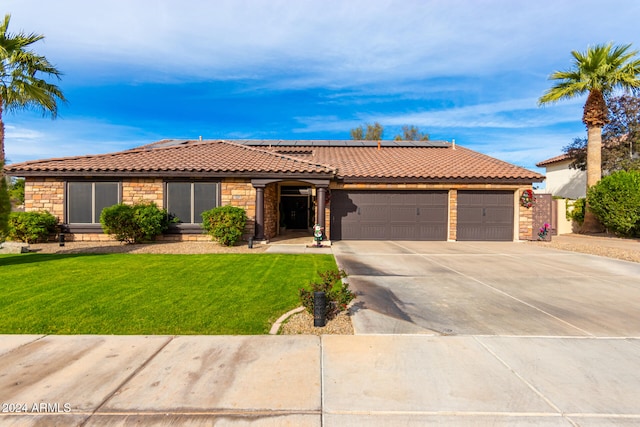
(389, 215)
(435, 232)
(372, 213)
(373, 231)
(471, 215)
(485, 215)
(498, 215)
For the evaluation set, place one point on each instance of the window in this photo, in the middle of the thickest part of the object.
(87, 199)
(187, 200)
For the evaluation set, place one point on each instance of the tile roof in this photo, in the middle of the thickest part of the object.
(552, 160)
(187, 157)
(348, 160)
(409, 162)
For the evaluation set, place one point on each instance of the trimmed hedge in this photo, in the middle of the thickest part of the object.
(225, 224)
(31, 227)
(134, 223)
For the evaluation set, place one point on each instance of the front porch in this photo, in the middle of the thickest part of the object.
(289, 209)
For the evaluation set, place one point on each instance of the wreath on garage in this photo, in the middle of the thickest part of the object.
(527, 199)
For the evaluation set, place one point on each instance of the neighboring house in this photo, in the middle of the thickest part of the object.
(562, 181)
(388, 190)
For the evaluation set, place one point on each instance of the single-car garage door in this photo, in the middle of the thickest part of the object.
(485, 215)
(389, 215)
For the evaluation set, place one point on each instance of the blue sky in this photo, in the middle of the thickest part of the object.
(139, 71)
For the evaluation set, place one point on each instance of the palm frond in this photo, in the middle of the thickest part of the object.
(603, 67)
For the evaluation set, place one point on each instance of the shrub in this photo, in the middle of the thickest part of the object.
(31, 227)
(338, 294)
(134, 223)
(615, 201)
(225, 224)
(575, 210)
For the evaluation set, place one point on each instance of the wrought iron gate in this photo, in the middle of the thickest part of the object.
(543, 214)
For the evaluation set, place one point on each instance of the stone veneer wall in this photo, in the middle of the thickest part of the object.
(453, 214)
(240, 193)
(44, 194)
(525, 216)
(270, 211)
(135, 190)
(48, 194)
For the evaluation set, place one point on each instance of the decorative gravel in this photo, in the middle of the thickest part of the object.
(302, 324)
(602, 245)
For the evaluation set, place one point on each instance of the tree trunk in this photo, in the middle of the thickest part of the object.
(594, 173)
(1, 139)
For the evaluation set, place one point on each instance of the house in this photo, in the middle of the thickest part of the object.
(391, 190)
(561, 180)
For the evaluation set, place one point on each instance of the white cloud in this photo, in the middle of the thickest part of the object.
(39, 139)
(311, 43)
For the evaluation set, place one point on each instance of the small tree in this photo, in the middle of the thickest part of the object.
(134, 223)
(615, 201)
(411, 133)
(16, 192)
(225, 224)
(373, 132)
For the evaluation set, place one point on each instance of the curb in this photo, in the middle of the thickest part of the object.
(278, 323)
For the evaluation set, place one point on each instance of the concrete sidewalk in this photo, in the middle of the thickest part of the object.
(319, 381)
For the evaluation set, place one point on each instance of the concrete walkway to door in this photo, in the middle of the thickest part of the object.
(489, 288)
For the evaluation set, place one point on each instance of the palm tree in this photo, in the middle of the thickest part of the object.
(20, 84)
(597, 72)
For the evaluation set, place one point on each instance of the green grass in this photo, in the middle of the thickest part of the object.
(151, 294)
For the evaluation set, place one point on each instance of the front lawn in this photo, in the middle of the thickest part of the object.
(151, 294)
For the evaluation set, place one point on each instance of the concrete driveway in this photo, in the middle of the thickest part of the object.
(489, 288)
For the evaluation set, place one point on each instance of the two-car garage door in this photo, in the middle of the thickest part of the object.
(389, 215)
(420, 215)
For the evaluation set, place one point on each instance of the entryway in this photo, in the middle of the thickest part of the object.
(296, 208)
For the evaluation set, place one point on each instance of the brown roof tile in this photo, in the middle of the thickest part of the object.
(349, 160)
(433, 163)
(552, 160)
(189, 157)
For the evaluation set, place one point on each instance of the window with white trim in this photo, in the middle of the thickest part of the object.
(85, 200)
(187, 200)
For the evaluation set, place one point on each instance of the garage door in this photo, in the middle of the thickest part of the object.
(485, 215)
(389, 215)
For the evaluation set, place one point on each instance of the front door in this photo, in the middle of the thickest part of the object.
(294, 208)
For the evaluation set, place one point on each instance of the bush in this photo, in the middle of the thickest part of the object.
(225, 224)
(615, 201)
(575, 210)
(134, 223)
(31, 227)
(338, 294)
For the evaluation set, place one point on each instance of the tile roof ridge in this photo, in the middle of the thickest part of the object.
(281, 155)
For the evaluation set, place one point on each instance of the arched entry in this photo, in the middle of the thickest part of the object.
(300, 213)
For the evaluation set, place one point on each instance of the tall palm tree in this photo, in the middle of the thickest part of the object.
(20, 84)
(597, 72)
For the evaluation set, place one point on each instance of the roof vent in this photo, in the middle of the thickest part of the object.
(453, 143)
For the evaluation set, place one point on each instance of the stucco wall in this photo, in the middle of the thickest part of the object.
(564, 182)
